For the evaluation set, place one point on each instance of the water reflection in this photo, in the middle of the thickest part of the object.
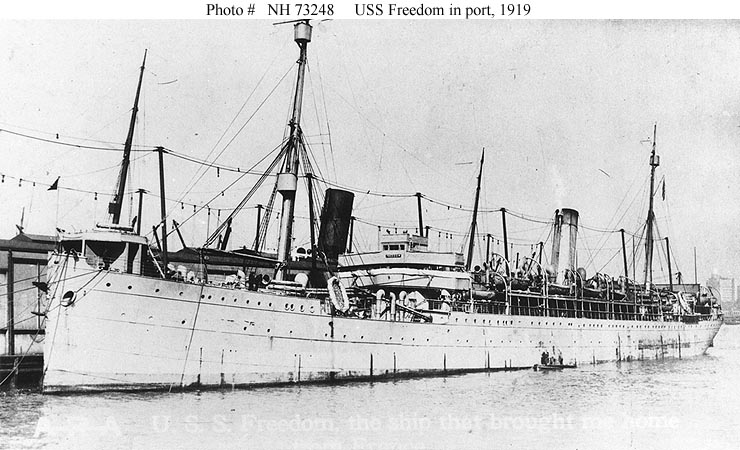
(692, 403)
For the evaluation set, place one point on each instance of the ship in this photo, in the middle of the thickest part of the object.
(732, 318)
(124, 314)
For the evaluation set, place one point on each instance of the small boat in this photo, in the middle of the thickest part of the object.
(538, 367)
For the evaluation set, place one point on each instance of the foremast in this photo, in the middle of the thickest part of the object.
(288, 177)
(654, 162)
(114, 207)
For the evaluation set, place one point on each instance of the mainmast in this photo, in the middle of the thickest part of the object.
(471, 244)
(654, 162)
(288, 176)
(114, 207)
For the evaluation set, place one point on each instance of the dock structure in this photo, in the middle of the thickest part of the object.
(23, 261)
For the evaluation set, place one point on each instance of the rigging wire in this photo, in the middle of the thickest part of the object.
(201, 206)
(70, 144)
(58, 135)
(207, 204)
(619, 206)
(326, 116)
(396, 143)
(308, 168)
(246, 198)
(320, 177)
(316, 110)
(116, 166)
(266, 219)
(226, 146)
(47, 185)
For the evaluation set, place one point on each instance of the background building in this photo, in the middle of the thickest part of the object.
(22, 263)
(727, 290)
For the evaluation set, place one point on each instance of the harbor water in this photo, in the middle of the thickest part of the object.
(657, 404)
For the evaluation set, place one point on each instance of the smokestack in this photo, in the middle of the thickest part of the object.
(556, 235)
(335, 218)
(570, 218)
(567, 218)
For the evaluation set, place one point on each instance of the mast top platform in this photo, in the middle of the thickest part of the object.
(302, 32)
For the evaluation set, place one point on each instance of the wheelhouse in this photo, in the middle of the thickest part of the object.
(117, 249)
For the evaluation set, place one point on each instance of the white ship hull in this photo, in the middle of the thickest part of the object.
(127, 332)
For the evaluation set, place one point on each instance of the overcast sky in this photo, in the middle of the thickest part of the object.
(564, 109)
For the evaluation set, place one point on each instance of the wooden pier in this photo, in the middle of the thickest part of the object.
(22, 305)
(17, 371)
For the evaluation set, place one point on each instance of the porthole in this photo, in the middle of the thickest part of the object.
(181, 293)
(68, 298)
(107, 284)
